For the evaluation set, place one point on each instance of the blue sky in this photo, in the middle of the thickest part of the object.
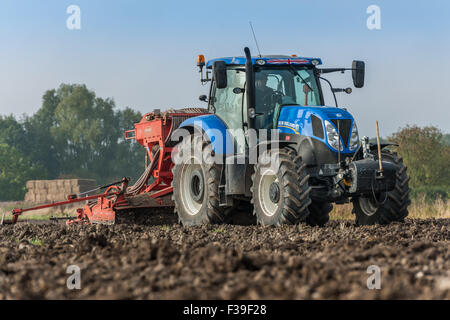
(142, 53)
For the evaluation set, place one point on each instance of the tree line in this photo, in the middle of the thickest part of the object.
(76, 134)
(426, 153)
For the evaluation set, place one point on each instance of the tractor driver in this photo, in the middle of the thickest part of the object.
(263, 99)
(263, 93)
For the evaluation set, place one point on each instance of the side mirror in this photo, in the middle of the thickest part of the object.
(358, 72)
(203, 98)
(220, 74)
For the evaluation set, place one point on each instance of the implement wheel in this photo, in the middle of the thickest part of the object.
(280, 188)
(389, 207)
(196, 180)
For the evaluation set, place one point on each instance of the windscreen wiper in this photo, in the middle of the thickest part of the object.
(295, 72)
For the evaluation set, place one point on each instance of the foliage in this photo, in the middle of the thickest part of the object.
(36, 242)
(420, 208)
(446, 139)
(425, 154)
(15, 170)
(431, 193)
(74, 134)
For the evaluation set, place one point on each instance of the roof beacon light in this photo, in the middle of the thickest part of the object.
(200, 60)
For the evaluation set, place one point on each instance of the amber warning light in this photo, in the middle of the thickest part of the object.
(200, 60)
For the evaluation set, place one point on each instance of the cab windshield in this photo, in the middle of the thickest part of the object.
(277, 86)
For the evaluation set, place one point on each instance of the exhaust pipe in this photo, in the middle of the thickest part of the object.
(250, 81)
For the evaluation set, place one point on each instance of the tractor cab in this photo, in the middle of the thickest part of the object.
(278, 80)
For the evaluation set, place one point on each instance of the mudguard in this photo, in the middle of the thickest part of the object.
(215, 130)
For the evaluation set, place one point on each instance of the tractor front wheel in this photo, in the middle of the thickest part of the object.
(280, 188)
(390, 206)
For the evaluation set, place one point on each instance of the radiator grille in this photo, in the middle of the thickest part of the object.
(345, 127)
(317, 127)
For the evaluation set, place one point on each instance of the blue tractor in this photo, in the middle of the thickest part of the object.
(279, 150)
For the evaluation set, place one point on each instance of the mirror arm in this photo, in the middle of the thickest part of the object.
(329, 70)
(346, 90)
(207, 79)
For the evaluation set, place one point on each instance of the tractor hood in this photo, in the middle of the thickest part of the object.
(314, 121)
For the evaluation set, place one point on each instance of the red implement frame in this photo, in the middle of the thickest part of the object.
(153, 133)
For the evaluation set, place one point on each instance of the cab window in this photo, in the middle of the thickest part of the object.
(228, 105)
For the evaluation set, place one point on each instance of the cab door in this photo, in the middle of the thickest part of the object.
(227, 104)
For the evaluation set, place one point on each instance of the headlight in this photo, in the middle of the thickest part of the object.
(354, 139)
(332, 136)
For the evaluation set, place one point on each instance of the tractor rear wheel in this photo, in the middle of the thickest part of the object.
(319, 213)
(389, 207)
(196, 180)
(280, 188)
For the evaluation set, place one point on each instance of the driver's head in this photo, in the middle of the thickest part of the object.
(260, 80)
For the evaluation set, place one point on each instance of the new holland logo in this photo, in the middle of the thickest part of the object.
(288, 125)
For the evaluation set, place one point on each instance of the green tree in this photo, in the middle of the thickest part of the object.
(130, 158)
(11, 131)
(15, 170)
(446, 139)
(84, 131)
(425, 154)
(89, 134)
(40, 145)
(74, 134)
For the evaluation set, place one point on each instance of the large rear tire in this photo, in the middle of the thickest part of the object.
(196, 184)
(391, 206)
(280, 188)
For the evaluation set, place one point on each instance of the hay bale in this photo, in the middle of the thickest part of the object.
(40, 199)
(30, 197)
(55, 197)
(30, 184)
(39, 184)
(53, 188)
(59, 183)
(62, 196)
(42, 191)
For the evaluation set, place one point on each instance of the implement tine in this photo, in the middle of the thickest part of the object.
(3, 217)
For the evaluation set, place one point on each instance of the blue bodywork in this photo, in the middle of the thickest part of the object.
(293, 119)
(297, 119)
(215, 129)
